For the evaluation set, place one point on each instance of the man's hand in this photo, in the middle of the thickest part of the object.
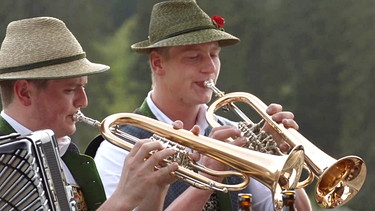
(222, 133)
(281, 117)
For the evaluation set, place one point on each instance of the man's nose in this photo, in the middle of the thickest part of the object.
(81, 100)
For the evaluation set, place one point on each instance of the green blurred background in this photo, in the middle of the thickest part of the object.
(316, 58)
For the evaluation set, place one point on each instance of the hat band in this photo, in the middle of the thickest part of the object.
(43, 63)
(198, 28)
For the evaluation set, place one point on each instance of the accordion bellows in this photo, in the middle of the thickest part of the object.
(30, 173)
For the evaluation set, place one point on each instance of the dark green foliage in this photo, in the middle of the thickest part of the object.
(316, 58)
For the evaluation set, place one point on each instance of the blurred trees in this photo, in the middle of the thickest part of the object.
(316, 58)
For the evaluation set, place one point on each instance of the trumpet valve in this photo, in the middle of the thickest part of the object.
(181, 156)
(257, 139)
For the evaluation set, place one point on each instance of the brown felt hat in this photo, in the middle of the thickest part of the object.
(43, 48)
(182, 22)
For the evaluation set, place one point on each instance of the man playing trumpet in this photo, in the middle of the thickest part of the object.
(184, 46)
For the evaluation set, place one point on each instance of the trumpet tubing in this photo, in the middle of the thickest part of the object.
(275, 172)
(110, 131)
(338, 180)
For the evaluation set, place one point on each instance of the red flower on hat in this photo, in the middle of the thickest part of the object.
(218, 21)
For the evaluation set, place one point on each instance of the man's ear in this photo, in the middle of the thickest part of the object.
(156, 62)
(22, 92)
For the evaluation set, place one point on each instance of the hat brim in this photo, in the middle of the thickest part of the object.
(81, 67)
(196, 37)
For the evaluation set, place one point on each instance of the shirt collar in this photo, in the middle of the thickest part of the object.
(201, 118)
(16, 125)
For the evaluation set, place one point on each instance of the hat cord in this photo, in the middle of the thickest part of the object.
(198, 28)
(43, 63)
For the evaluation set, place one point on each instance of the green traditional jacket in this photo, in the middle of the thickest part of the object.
(83, 169)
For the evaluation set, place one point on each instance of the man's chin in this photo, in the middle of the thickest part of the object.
(71, 131)
(207, 99)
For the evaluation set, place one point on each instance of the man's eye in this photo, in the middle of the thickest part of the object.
(193, 57)
(69, 90)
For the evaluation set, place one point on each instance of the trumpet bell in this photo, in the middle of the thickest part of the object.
(340, 182)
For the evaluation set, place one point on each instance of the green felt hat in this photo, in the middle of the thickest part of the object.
(43, 48)
(182, 22)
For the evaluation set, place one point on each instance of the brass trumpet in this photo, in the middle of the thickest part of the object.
(338, 180)
(276, 172)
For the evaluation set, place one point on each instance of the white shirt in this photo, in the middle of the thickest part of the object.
(110, 159)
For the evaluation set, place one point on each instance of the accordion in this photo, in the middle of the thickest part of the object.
(31, 177)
